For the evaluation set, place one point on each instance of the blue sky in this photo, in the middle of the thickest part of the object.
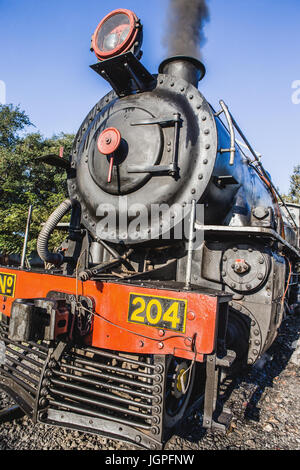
(251, 56)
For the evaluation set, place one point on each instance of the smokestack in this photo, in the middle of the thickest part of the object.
(184, 36)
(188, 68)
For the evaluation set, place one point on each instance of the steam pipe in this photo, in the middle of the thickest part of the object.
(44, 236)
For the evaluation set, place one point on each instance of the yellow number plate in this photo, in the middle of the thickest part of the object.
(161, 312)
(7, 284)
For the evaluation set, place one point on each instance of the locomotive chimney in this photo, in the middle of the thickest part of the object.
(187, 68)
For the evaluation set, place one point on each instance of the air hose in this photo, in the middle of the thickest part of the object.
(44, 236)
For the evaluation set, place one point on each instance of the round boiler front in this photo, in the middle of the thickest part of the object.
(164, 161)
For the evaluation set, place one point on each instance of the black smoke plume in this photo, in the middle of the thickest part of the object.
(186, 19)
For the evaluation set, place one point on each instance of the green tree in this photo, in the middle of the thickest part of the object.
(24, 180)
(12, 121)
(294, 191)
(295, 185)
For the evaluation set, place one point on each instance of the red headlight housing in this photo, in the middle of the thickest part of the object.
(116, 34)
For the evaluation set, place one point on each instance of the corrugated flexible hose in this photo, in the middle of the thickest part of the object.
(44, 236)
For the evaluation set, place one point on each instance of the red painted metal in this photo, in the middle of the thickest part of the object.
(111, 330)
(126, 45)
(109, 141)
(111, 164)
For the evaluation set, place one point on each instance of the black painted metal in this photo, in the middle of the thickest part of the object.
(114, 387)
(187, 68)
(176, 150)
(21, 372)
(179, 159)
(125, 73)
(154, 164)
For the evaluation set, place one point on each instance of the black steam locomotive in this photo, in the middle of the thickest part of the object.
(166, 205)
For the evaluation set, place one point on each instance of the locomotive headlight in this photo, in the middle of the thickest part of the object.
(118, 32)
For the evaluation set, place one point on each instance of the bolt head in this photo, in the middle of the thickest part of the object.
(191, 316)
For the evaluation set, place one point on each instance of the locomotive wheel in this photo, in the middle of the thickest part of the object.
(179, 386)
(237, 338)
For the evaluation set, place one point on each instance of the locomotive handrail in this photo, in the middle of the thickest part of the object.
(233, 124)
(230, 121)
(241, 144)
(256, 157)
(247, 230)
(264, 174)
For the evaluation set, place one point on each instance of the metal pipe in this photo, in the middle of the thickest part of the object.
(24, 366)
(26, 237)
(79, 409)
(39, 354)
(43, 238)
(19, 381)
(107, 385)
(44, 349)
(190, 247)
(113, 368)
(119, 358)
(115, 378)
(17, 372)
(99, 404)
(28, 359)
(109, 396)
(90, 401)
(110, 250)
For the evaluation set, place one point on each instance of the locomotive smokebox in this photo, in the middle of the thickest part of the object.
(187, 68)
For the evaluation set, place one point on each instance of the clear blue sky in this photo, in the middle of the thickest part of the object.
(251, 56)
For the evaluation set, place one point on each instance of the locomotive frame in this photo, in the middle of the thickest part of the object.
(120, 337)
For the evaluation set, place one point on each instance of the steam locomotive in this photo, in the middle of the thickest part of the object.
(179, 260)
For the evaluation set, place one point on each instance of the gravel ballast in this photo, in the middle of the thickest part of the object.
(264, 402)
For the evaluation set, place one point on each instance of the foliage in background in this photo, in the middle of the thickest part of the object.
(25, 181)
(12, 121)
(294, 192)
